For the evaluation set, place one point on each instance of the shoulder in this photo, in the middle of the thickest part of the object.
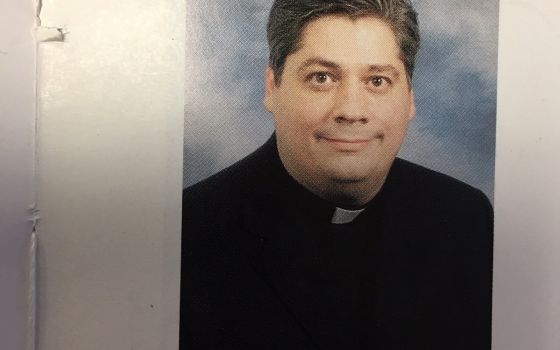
(229, 186)
(224, 181)
(440, 215)
(428, 191)
(212, 215)
(414, 179)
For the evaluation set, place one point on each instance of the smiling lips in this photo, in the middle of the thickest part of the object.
(347, 144)
(337, 140)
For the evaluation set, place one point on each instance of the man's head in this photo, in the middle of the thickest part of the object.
(340, 92)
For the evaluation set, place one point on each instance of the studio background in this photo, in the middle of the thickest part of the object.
(454, 83)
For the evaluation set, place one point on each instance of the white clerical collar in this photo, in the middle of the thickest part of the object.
(344, 216)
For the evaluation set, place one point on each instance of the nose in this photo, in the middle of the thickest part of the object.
(351, 104)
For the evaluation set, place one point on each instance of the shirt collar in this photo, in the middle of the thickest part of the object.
(345, 216)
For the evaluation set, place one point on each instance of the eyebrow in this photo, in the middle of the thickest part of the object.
(373, 68)
(318, 61)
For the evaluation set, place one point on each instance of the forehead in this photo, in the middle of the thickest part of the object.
(366, 40)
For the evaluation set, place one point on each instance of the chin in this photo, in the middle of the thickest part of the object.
(349, 175)
(355, 170)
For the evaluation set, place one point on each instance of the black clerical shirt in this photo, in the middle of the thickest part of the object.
(263, 267)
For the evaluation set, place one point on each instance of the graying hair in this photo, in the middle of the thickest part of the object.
(288, 19)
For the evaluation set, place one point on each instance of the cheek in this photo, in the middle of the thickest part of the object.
(394, 115)
(303, 114)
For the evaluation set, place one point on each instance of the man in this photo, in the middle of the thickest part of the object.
(322, 239)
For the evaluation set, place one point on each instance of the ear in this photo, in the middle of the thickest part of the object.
(412, 112)
(269, 89)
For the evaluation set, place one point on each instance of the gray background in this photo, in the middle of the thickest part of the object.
(454, 83)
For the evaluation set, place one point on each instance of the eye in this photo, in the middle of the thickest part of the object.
(320, 78)
(379, 82)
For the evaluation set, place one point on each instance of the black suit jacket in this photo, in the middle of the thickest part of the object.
(260, 271)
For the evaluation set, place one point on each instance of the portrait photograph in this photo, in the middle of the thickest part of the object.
(338, 174)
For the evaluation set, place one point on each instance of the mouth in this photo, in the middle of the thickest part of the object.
(343, 140)
(346, 144)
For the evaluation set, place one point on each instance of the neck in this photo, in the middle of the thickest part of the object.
(344, 194)
(349, 195)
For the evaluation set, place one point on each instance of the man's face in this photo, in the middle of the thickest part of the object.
(343, 104)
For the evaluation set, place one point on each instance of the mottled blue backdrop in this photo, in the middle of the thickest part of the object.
(454, 84)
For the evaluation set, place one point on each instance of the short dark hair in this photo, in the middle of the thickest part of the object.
(288, 19)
